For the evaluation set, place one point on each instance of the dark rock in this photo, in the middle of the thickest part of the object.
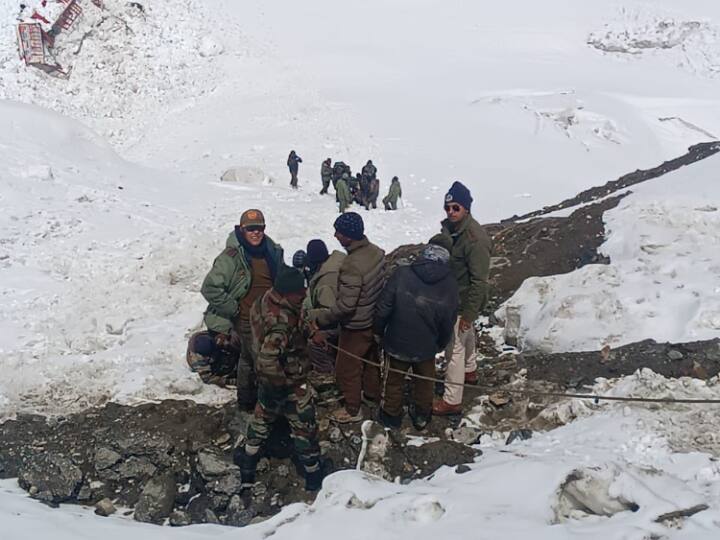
(429, 457)
(105, 508)
(462, 469)
(211, 517)
(240, 518)
(197, 508)
(674, 354)
(211, 464)
(156, 500)
(228, 484)
(52, 478)
(179, 519)
(139, 468)
(106, 458)
(518, 435)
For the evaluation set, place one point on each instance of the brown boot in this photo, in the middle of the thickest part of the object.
(442, 408)
(471, 377)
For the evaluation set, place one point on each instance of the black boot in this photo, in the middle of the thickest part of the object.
(247, 463)
(315, 471)
(419, 420)
(388, 420)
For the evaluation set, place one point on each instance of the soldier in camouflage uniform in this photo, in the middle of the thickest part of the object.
(213, 358)
(282, 368)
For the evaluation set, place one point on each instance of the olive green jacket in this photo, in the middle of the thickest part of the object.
(343, 193)
(470, 262)
(228, 282)
(322, 289)
(394, 192)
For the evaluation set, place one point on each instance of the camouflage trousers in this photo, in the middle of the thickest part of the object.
(295, 403)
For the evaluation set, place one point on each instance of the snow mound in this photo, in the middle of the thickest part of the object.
(663, 280)
(562, 112)
(690, 44)
(247, 175)
(683, 427)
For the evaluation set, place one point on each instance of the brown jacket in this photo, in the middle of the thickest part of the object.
(360, 281)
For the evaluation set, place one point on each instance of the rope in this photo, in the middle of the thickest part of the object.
(529, 393)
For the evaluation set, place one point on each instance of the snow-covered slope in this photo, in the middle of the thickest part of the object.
(101, 258)
(663, 280)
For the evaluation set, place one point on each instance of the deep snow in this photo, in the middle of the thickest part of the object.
(101, 256)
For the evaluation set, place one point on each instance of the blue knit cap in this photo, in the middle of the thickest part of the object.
(458, 193)
(351, 225)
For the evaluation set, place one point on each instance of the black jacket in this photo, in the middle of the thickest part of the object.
(416, 311)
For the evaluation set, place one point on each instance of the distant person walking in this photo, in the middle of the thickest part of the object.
(326, 174)
(395, 192)
(342, 192)
(373, 193)
(470, 263)
(293, 163)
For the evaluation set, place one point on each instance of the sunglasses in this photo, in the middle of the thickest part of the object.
(255, 228)
(453, 208)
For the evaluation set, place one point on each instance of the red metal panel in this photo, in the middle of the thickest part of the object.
(30, 41)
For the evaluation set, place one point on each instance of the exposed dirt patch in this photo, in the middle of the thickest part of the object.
(174, 459)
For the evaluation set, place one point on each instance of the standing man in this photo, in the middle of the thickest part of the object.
(323, 269)
(470, 263)
(342, 192)
(326, 174)
(282, 371)
(369, 171)
(414, 318)
(360, 281)
(293, 163)
(243, 272)
(373, 193)
(395, 191)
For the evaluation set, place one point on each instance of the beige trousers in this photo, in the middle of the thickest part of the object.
(460, 353)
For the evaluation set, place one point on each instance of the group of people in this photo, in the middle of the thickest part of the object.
(332, 313)
(363, 188)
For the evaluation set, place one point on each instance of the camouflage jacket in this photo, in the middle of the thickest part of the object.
(278, 341)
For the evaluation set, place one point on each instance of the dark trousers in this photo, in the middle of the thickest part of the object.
(353, 376)
(422, 390)
(326, 185)
(293, 178)
(241, 339)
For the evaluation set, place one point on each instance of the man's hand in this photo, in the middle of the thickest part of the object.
(464, 325)
(319, 338)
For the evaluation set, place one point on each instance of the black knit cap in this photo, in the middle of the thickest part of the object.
(289, 280)
(317, 252)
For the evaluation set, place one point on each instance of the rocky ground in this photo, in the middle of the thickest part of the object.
(171, 462)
